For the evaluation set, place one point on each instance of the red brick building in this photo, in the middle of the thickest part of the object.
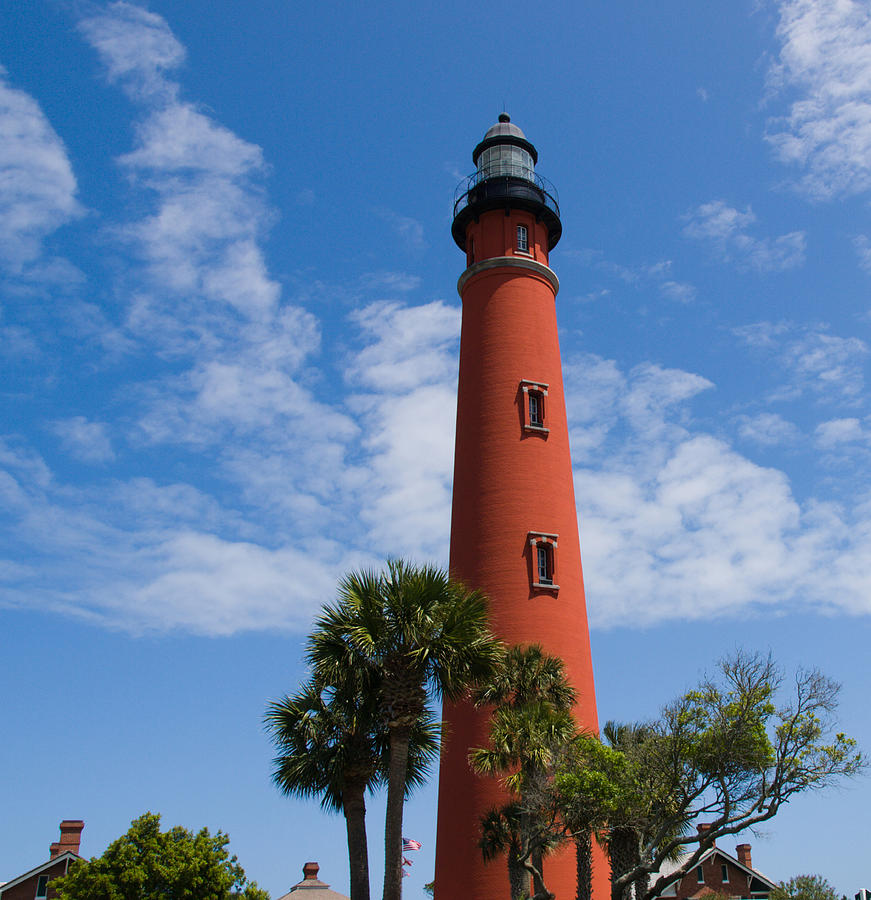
(719, 872)
(36, 884)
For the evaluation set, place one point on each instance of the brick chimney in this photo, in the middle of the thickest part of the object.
(310, 871)
(70, 838)
(703, 828)
(742, 851)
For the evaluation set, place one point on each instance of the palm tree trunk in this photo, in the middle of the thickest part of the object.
(584, 857)
(538, 888)
(354, 806)
(622, 854)
(396, 775)
(642, 886)
(517, 874)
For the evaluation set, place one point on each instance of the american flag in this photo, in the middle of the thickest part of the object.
(409, 844)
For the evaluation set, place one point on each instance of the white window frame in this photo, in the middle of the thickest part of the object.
(522, 239)
(44, 894)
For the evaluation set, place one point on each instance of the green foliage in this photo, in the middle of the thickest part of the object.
(330, 739)
(148, 864)
(804, 887)
(530, 728)
(729, 752)
(413, 630)
(410, 634)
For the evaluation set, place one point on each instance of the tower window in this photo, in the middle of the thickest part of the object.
(543, 547)
(545, 570)
(41, 887)
(535, 410)
(534, 394)
(522, 239)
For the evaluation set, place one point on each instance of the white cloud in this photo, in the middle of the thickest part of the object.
(137, 47)
(407, 417)
(37, 184)
(767, 428)
(863, 250)
(391, 281)
(86, 441)
(825, 59)
(675, 524)
(679, 291)
(839, 431)
(725, 229)
(144, 556)
(410, 230)
(811, 360)
(204, 298)
(411, 345)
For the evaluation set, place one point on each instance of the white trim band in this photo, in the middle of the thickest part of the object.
(509, 262)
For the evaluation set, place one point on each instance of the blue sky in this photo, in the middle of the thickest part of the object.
(229, 331)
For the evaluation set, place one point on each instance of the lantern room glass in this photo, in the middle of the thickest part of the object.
(504, 159)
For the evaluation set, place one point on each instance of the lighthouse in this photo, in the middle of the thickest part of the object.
(514, 527)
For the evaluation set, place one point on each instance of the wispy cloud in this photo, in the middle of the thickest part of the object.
(144, 556)
(767, 428)
(37, 185)
(680, 291)
(137, 48)
(409, 229)
(725, 230)
(657, 274)
(391, 281)
(812, 360)
(825, 63)
(84, 440)
(862, 244)
(836, 432)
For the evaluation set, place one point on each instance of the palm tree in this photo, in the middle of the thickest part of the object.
(587, 788)
(626, 833)
(417, 635)
(531, 726)
(500, 833)
(332, 744)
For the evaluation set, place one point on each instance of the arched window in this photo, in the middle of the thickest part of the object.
(522, 239)
(543, 547)
(534, 396)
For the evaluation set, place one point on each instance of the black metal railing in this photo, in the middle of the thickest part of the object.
(524, 182)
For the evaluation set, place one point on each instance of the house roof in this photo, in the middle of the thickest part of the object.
(670, 866)
(311, 887)
(66, 857)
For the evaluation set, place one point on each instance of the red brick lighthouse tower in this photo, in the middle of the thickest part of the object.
(514, 529)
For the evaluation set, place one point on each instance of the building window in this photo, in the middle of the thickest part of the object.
(522, 239)
(535, 408)
(724, 869)
(41, 887)
(700, 875)
(545, 568)
(534, 396)
(543, 549)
